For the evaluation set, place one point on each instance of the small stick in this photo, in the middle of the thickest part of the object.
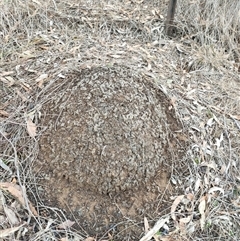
(154, 230)
(170, 16)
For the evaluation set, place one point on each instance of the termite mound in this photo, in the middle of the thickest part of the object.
(107, 131)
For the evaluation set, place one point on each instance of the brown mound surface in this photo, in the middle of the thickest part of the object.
(110, 138)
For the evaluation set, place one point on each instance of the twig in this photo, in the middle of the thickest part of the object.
(154, 230)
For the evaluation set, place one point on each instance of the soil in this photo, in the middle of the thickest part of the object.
(106, 155)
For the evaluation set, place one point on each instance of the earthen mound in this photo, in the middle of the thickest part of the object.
(108, 131)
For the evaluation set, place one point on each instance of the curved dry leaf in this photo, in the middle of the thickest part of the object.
(11, 216)
(64, 239)
(40, 80)
(28, 54)
(201, 208)
(146, 225)
(236, 203)
(16, 191)
(210, 122)
(215, 189)
(2, 219)
(41, 77)
(197, 184)
(22, 96)
(31, 128)
(4, 73)
(5, 167)
(65, 225)
(90, 239)
(190, 196)
(116, 56)
(219, 141)
(183, 222)
(174, 206)
(202, 205)
(4, 113)
(210, 165)
(10, 80)
(6, 232)
(237, 117)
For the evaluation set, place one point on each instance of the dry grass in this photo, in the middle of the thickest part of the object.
(199, 69)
